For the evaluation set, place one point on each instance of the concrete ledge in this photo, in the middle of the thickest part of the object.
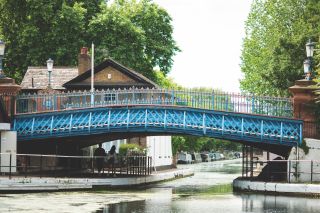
(4, 126)
(18, 184)
(276, 188)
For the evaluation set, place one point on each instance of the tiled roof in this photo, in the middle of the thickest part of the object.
(110, 62)
(37, 77)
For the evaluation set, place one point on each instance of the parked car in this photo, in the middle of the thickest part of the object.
(204, 157)
(237, 154)
(222, 156)
(212, 157)
(196, 157)
(216, 156)
(184, 158)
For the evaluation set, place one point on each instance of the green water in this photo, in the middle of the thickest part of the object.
(209, 190)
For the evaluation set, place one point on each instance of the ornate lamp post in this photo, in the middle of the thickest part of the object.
(49, 67)
(2, 48)
(307, 64)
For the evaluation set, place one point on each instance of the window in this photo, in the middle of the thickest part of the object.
(109, 97)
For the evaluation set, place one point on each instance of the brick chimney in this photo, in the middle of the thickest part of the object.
(84, 61)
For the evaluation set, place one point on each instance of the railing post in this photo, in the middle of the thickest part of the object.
(10, 164)
(289, 175)
(25, 166)
(253, 107)
(172, 97)
(251, 162)
(243, 160)
(40, 166)
(311, 171)
(212, 101)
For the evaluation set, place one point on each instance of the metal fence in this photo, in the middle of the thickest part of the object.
(32, 165)
(311, 130)
(232, 102)
(305, 171)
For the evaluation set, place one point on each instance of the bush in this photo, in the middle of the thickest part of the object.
(132, 149)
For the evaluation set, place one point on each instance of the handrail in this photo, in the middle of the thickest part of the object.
(222, 101)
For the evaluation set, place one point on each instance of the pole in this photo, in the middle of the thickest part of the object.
(92, 74)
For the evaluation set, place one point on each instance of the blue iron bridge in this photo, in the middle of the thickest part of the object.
(265, 121)
(157, 119)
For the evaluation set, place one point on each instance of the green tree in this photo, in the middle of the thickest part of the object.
(36, 30)
(178, 144)
(274, 46)
(136, 33)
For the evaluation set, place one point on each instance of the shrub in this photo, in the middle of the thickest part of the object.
(132, 149)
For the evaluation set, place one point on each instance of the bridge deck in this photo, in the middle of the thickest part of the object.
(160, 119)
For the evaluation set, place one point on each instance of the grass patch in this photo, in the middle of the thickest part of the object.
(213, 190)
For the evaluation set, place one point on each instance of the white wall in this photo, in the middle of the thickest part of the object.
(159, 148)
(304, 165)
(8, 145)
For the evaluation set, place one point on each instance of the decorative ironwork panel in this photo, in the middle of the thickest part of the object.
(171, 120)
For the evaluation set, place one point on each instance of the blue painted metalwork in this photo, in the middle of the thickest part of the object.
(229, 102)
(232, 126)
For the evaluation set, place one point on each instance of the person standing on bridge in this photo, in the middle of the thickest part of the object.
(99, 153)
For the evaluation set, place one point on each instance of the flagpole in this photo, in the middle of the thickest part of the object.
(92, 74)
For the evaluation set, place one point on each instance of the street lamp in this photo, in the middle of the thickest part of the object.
(49, 67)
(307, 64)
(310, 48)
(2, 48)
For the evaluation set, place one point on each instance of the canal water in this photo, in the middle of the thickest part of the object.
(209, 190)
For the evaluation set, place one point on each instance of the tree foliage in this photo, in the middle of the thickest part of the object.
(274, 46)
(138, 34)
(198, 144)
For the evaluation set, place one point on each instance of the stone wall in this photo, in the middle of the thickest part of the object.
(300, 171)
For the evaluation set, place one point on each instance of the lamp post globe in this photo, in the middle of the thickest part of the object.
(50, 68)
(2, 48)
(310, 48)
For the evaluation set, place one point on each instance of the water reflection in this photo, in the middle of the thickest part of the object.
(209, 190)
(218, 203)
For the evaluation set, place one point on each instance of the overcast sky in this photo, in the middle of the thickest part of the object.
(210, 34)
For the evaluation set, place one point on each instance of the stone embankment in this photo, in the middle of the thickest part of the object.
(20, 184)
(303, 169)
(276, 188)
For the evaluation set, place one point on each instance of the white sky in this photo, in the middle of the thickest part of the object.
(209, 34)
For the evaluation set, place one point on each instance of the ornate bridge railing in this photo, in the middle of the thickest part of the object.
(229, 102)
(178, 120)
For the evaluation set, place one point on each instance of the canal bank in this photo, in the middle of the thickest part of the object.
(292, 189)
(20, 184)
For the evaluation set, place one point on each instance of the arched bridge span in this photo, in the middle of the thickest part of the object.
(252, 129)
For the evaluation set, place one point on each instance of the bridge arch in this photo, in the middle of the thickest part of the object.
(155, 120)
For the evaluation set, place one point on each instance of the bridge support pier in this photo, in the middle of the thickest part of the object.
(304, 106)
(247, 161)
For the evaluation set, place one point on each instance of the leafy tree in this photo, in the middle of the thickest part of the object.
(178, 144)
(274, 46)
(136, 33)
(197, 144)
(36, 30)
(166, 82)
